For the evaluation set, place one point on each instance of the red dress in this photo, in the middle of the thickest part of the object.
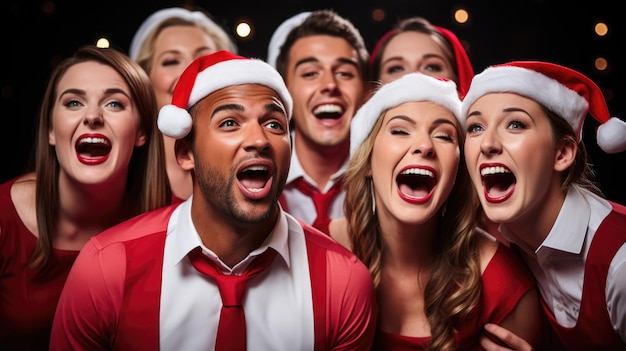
(504, 282)
(27, 303)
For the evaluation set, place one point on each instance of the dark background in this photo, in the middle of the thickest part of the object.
(35, 35)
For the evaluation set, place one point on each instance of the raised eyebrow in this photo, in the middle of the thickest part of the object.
(348, 61)
(306, 60)
(402, 117)
(82, 92)
(273, 107)
(236, 107)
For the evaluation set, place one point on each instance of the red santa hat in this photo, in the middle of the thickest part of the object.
(210, 73)
(465, 71)
(280, 35)
(410, 87)
(568, 93)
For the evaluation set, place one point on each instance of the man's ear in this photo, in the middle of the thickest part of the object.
(184, 154)
(565, 154)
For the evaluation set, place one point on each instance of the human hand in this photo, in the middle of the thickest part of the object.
(503, 336)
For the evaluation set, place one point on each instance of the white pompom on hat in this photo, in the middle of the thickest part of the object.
(280, 35)
(159, 16)
(408, 88)
(568, 93)
(212, 72)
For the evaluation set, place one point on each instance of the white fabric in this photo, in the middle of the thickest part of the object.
(285, 293)
(175, 121)
(150, 23)
(410, 87)
(558, 263)
(280, 35)
(547, 91)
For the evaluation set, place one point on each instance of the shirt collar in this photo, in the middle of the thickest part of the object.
(296, 171)
(569, 229)
(186, 238)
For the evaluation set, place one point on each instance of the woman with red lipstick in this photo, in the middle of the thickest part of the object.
(410, 217)
(527, 161)
(98, 162)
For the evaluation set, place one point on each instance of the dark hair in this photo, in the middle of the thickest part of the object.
(325, 22)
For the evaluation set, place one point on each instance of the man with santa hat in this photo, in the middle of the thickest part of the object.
(227, 269)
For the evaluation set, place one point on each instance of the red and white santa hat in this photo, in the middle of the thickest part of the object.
(212, 72)
(280, 35)
(566, 92)
(408, 88)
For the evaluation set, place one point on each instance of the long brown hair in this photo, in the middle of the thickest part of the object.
(147, 183)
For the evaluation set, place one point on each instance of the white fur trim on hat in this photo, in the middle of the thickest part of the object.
(547, 91)
(611, 135)
(155, 19)
(174, 121)
(408, 88)
(280, 35)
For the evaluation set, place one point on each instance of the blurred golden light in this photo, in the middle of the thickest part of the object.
(243, 30)
(461, 16)
(601, 29)
(103, 43)
(601, 64)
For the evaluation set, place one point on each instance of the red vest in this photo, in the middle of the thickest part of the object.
(593, 330)
(143, 290)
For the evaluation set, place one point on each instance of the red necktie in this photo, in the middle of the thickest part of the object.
(231, 330)
(322, 201)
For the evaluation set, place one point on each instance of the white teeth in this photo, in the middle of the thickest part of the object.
(328, 109)
(93, 141)
(418, 171)
(256, 168)
(493, 170)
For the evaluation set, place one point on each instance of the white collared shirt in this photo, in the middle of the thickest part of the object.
(280, 309)
(558, 264)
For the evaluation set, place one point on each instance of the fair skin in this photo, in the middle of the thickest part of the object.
(502, 129)
(325, 82)
(95, 128)
(413, 52)
(420, 137)
(175, 48)
(241, 160)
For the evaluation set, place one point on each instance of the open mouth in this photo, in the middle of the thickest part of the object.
(328, 111)
(416, 182)
(93, 147)
(498, 182)
(254, 178)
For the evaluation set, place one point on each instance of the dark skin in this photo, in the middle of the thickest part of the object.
(240, 159)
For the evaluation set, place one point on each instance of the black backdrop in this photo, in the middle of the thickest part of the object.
(37, 34)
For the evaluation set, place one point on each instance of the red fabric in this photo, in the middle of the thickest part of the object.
(322, 201)
(231, 331)
(118, 309)
(504, 282)
(27, 300)
(593, 329)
